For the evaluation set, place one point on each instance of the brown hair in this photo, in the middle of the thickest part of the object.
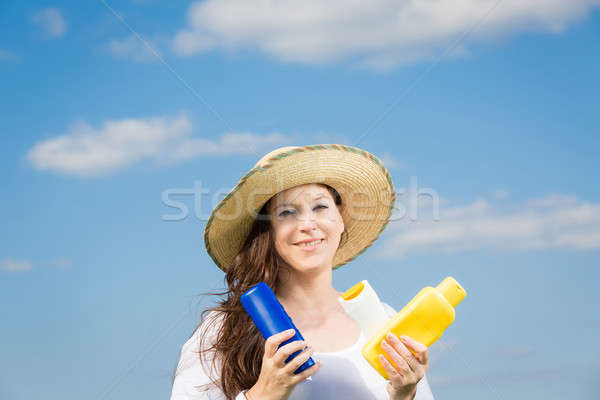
(238, 342)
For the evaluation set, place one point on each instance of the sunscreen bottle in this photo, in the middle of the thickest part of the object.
(423, 319)
(270, 318)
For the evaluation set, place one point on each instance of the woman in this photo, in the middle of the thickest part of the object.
(300, 213)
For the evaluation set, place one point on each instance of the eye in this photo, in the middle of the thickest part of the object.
(289, 212)
(285, 212)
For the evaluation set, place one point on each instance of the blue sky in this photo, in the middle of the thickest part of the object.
(493, 107)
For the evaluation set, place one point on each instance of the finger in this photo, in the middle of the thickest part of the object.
(392, 372)
(298, 360)
(399, 350)
(306, 373)
(421, 351)
(284, 352)
(397, 361)
(272, 343)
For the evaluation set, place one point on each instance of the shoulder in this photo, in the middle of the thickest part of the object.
(197, 364)
(197, 376)
(195, 350)
(210, 325)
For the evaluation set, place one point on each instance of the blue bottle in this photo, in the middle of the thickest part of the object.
(270, 317)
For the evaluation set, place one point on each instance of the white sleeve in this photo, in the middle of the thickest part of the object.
(193, 372)
(423, 389)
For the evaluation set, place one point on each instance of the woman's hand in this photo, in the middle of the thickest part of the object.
(277, 379)
(408, 369)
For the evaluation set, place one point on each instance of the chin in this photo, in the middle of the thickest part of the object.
(312, 266)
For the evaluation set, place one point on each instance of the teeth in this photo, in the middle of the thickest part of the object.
(310, 243)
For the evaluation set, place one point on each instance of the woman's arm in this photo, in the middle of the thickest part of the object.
(193, 371)
(423, 389)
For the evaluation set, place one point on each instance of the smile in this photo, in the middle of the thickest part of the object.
(310, 245)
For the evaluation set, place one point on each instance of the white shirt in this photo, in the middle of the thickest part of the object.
(344, 374)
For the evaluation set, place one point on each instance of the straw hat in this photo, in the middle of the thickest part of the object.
(360, 178)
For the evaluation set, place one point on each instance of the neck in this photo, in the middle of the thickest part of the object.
(309, 295)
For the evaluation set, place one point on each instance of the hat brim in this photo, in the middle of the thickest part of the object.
(360, 178)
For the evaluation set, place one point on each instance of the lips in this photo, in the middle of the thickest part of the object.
(307, 241)
(311, 247)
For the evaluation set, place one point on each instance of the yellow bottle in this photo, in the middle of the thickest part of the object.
(424, 318)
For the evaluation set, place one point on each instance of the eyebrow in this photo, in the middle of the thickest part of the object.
(320, 195)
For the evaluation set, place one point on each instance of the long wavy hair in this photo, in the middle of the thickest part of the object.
(238, 343)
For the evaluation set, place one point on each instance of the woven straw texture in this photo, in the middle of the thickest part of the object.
(365, 185)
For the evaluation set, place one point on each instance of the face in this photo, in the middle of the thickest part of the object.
(306, 213)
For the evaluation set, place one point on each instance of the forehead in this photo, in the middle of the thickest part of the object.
(299, 194)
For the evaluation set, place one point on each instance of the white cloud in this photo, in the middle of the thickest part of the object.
(552, 201)
(378, 33)
(133, 48)
(551, 222)
(86, 151)
(51, 21)
(190, 42)
(15, 265)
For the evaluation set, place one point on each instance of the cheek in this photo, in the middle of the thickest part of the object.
(282, 236)
(335, 223)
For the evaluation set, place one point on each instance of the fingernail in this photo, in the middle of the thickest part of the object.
(391, 336)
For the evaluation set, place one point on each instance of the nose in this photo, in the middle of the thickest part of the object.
(307, 223)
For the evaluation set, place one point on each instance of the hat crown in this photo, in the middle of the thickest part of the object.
(264, 161)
